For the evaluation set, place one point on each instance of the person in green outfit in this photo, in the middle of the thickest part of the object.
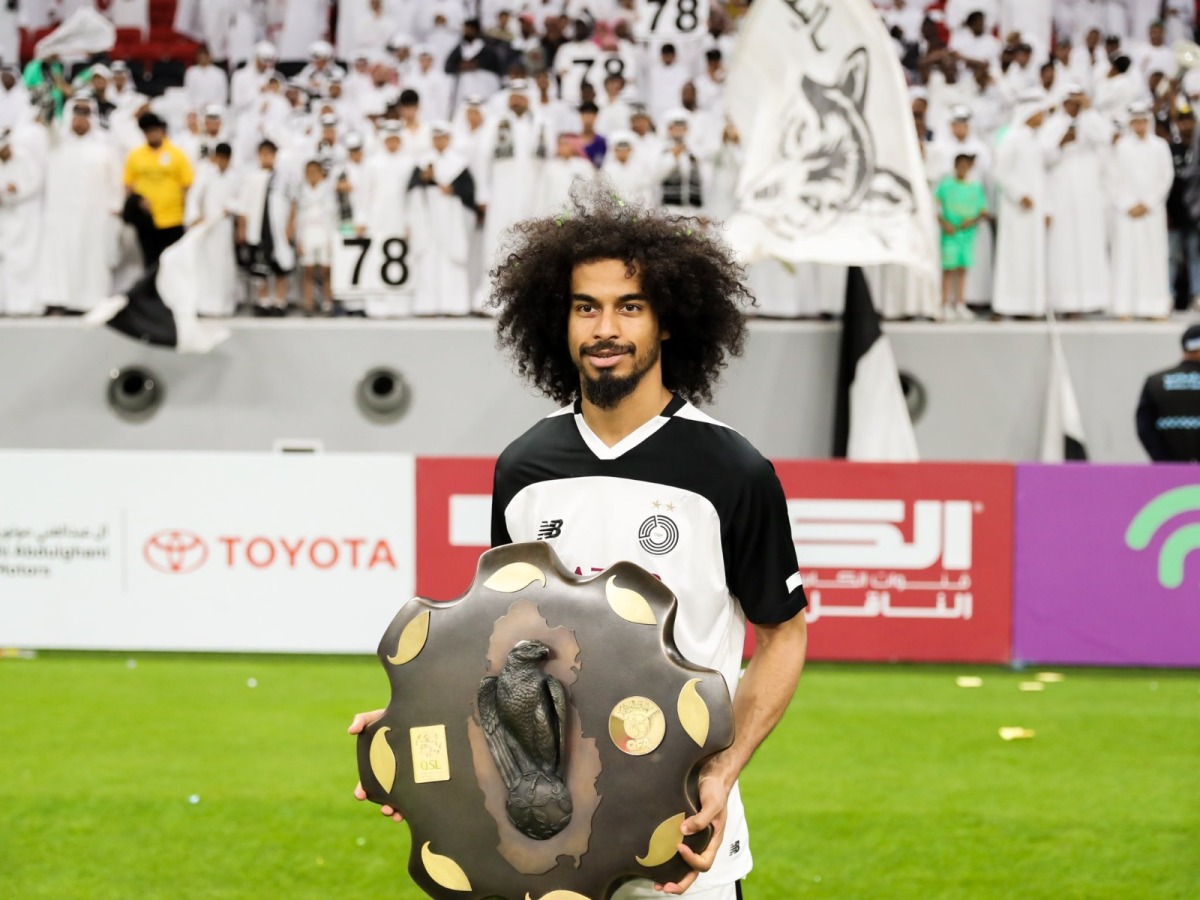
(47, 82)
(962, 205)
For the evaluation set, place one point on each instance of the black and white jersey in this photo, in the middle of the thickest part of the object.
(684, 497)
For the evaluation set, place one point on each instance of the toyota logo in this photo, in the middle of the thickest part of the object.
(175, 552)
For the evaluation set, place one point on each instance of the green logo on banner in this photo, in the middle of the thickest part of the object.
(1182, 541)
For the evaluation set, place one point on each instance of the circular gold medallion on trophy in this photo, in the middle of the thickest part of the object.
(636, 726)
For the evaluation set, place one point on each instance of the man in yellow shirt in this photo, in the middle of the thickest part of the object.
(158, 173)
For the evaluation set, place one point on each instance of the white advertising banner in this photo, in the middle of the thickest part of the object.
(204, 551)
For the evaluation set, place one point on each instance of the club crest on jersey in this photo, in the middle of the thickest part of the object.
(658, 535)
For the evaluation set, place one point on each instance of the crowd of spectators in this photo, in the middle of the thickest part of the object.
(1058, 137)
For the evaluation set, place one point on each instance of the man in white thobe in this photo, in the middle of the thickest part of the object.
(513, 153)
(383, 214)
(247, 83)
(83, 199)
(205, 83)
(1020, 286)
(1141, 175)
(21, 179)
(442, 201)
(214, 198)
(1077, 141)
(561, 172)
(629, 175)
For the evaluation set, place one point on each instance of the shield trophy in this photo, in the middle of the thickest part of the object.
(544, 736)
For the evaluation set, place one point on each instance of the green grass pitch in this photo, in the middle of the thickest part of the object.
(881, 782)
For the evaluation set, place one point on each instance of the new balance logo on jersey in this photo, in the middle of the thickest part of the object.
(549, 529)
(735, 848)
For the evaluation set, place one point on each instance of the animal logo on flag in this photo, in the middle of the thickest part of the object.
(826, 164)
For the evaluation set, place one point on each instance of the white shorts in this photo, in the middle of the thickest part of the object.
(316, 246)
(644, 890)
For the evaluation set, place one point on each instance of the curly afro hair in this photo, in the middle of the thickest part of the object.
(695, 287)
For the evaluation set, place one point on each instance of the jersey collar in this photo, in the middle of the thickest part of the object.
(635, 438)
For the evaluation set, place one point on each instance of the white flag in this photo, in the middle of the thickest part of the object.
(833, 171)
(1062, 425)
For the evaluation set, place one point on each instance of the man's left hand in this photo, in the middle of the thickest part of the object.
(714, 799)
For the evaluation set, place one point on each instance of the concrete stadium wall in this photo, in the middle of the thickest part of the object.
(273, 380)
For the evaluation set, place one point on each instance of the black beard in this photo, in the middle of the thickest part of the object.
(609, 390)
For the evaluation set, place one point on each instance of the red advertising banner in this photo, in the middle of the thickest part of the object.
(904, 561)
(900, 562)
(454, 502)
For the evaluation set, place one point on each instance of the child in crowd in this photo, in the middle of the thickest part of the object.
(316, 226)
(962, 205)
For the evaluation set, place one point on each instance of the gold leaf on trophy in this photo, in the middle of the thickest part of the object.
(444, 870)
(663, 843)
(515, 577)
(383, 760)
(629, 605)
(693, 713)
(412, 640)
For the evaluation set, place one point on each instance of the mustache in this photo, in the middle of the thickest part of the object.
(607, 347)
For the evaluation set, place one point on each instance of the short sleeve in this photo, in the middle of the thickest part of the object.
(502, 495)
(760, 556)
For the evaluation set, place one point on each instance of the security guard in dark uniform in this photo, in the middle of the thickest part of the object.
(1168, 413)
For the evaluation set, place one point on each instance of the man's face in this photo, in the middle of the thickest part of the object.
(589, 120)
(1093, 39)
(313, 174)
(1187, 127)
(392, 143)
(565, 148)
(668, 57)
(613, 334)
(677, 132)
(266, 157)
(5, 152)
(356, 155)
(1047, 77)
(99, 85)
(154, 136)
(962, 168)
(81, 123)
(1156, 35)
(474, 116)
(518, 103)
(640, 125)
(212, 126)
(8, 79)
(221, 162)
(1071, 106)
(441, 142)
(622, 153)
(1140, 126)
(409, 112)
(688, 96)
(960, 129)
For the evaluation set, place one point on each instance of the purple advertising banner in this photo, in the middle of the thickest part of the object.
(1107, 565)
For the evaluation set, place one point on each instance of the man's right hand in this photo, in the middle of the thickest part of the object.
(361, 721)
(1026, 203)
